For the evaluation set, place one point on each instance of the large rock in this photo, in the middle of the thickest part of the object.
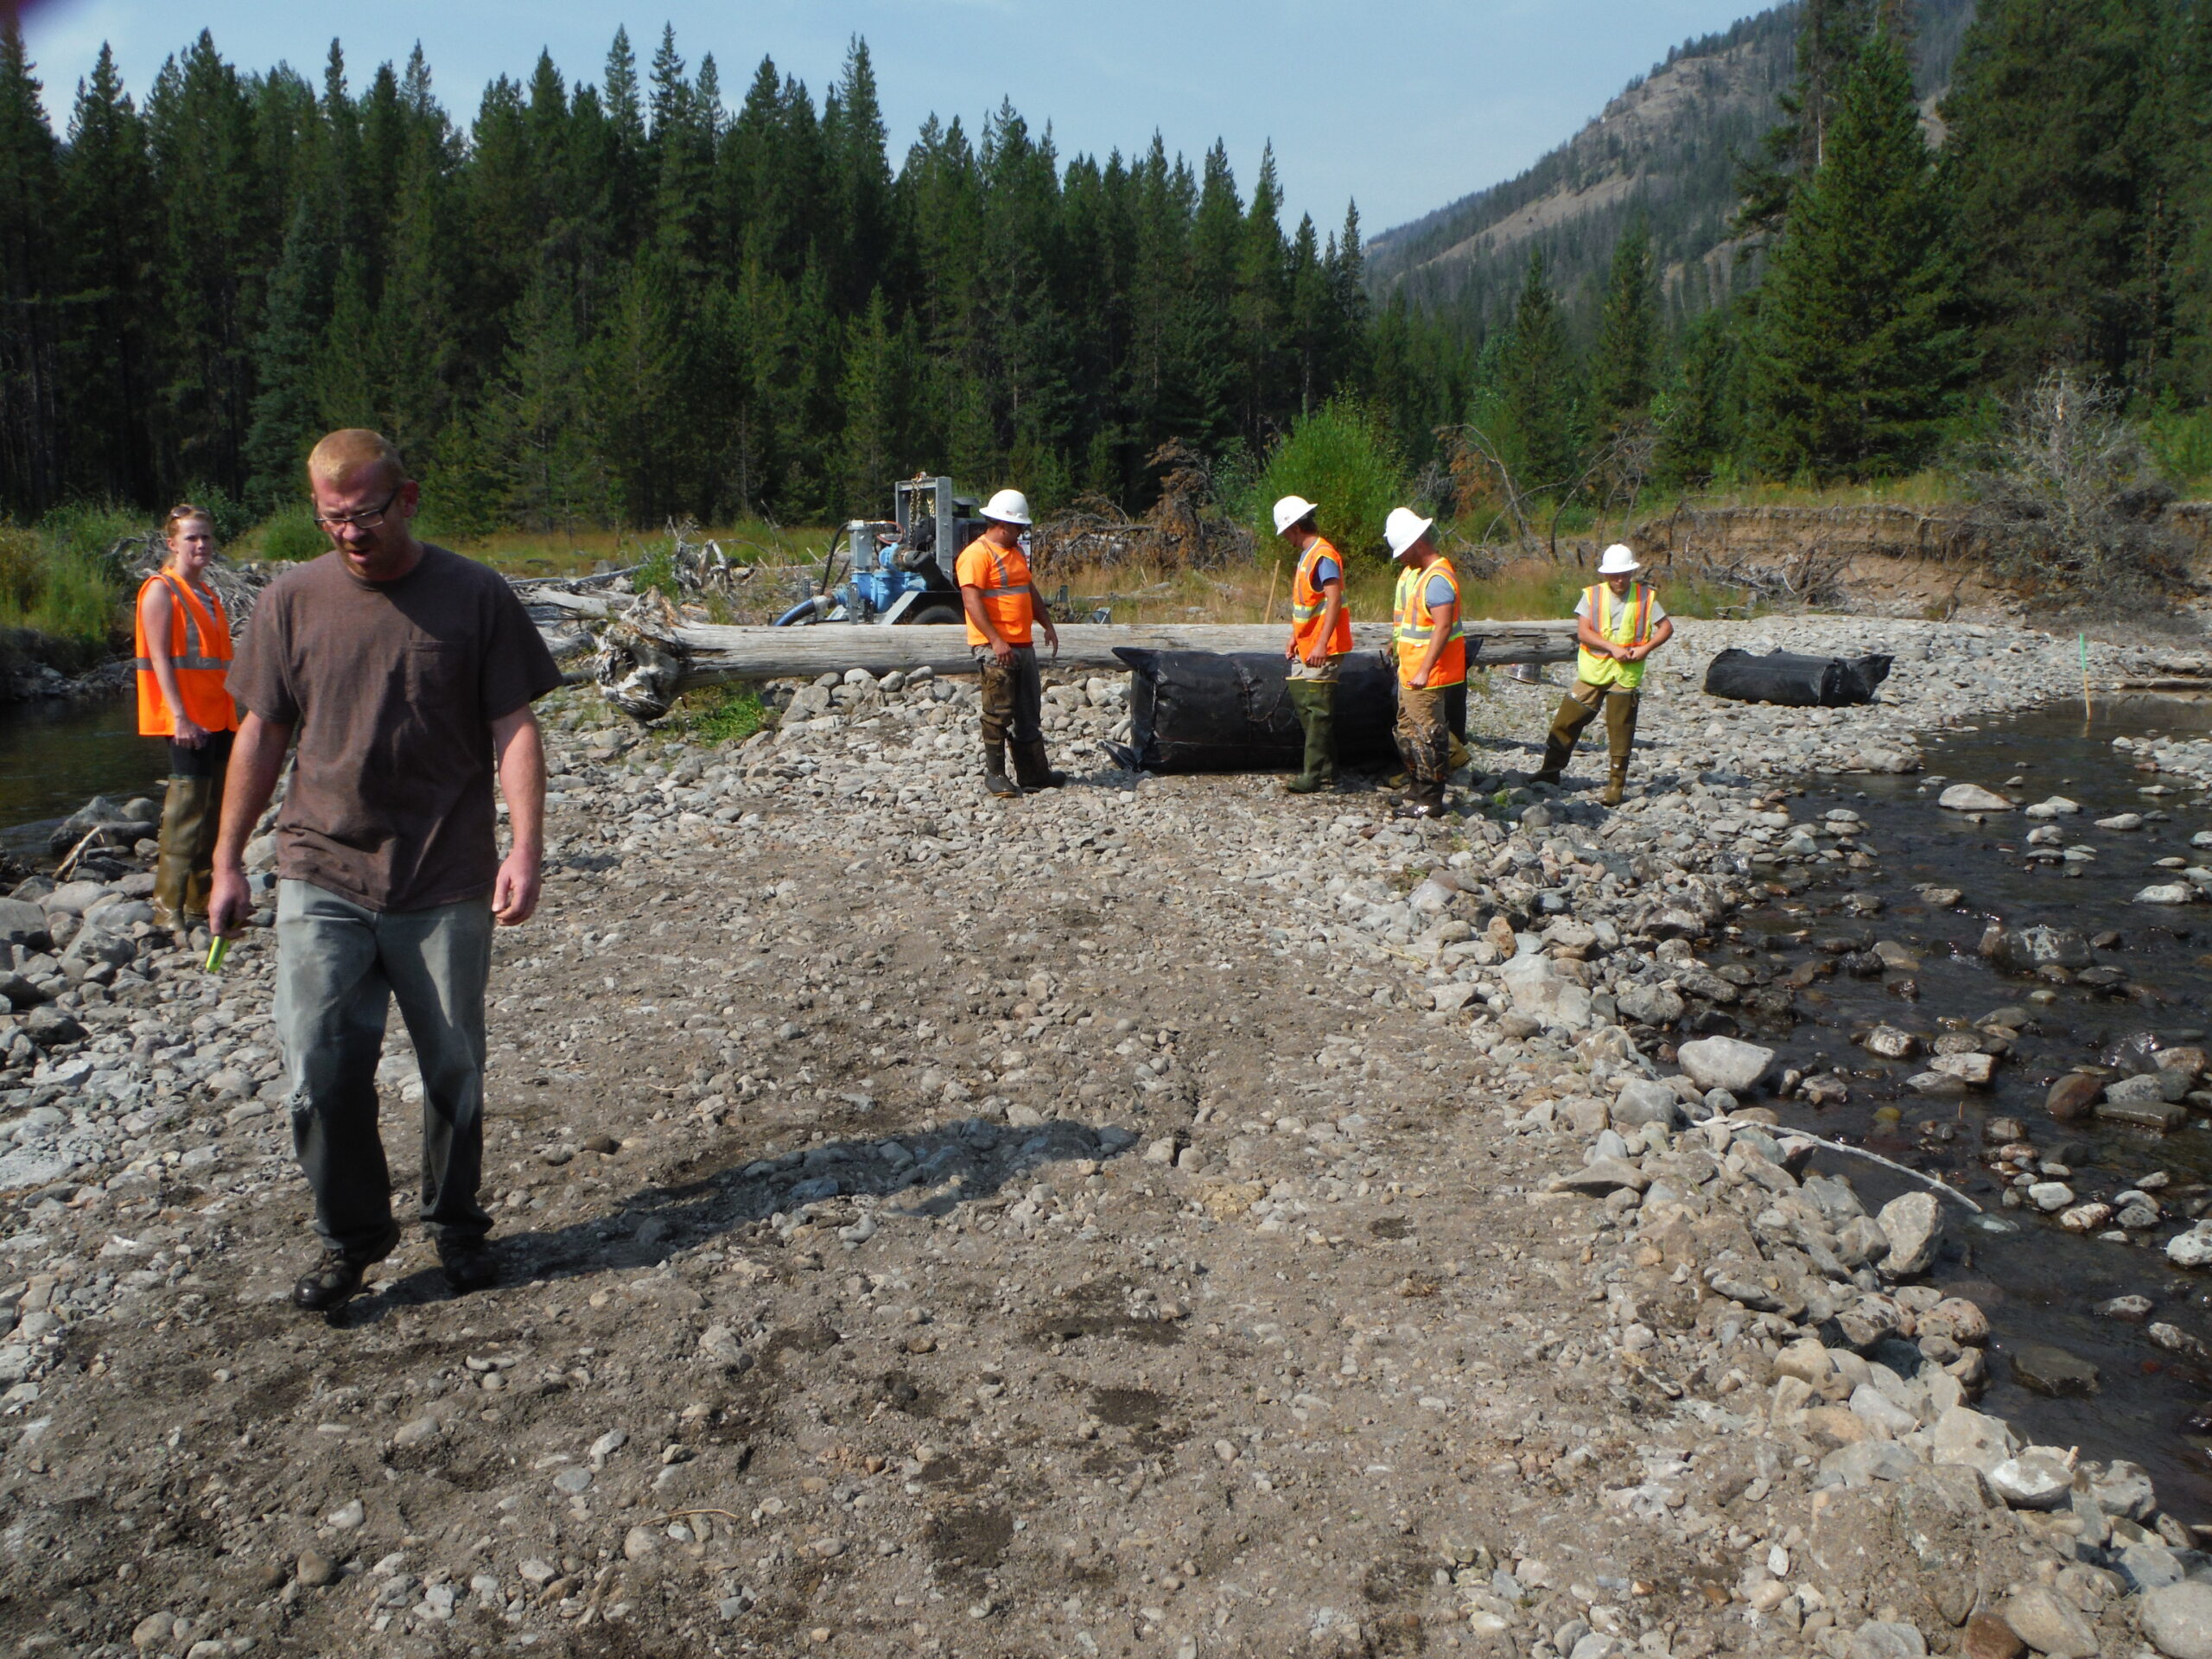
(1650, 1005)
(1724, 1063)
(2178, 1620)
(2057, 806)
(2167, 893)
(23, 924)
(2192, 1248)
(2053, 1371)
(1643, 1102)
(1914, 1226)
(2049, 1624)
(1973, 798)
(1963, 1435)
(1883, 1639)
(1539, 993)
(2025, 950)
(2073, 1096)
(2034, 1480)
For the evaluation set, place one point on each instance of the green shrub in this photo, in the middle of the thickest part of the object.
(721, 713)
(23, 570)
(2181, 443)
(87, 529)
(291, 535)
(655, 573)
(1342, 458)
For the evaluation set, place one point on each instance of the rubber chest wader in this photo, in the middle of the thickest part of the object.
(1313, 690)
(1424, 731)
(1606, 683)
(192, 808)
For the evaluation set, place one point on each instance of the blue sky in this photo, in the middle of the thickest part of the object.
(1403, 104)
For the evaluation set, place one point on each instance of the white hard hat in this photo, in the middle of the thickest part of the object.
(1403, 528)
(1008, 507)
(1620, 559)
(1290, 510)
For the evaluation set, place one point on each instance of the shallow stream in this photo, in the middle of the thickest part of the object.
(2037, 1282)
(56, 756)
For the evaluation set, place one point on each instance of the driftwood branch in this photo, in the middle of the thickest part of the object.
(645, 660)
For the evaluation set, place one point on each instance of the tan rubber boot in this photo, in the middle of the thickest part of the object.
(184, 814)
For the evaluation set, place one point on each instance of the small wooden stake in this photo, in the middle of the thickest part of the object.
(1275, 575)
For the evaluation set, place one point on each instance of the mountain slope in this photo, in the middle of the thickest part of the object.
(1667, 147)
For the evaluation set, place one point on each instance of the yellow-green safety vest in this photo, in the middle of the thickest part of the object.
(1622, 621)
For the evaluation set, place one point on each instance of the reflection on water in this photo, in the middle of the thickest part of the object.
(56, 756)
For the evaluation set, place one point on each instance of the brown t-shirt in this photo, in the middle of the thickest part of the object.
(393, 686)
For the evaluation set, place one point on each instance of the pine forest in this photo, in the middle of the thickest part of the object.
(621, 300)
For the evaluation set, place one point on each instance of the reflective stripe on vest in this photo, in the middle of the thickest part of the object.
(1307, 601)
(1414, 623)
(200, 652)
(1006, 603)
(1620, 624)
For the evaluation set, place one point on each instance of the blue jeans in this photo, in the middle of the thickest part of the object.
(338, 967)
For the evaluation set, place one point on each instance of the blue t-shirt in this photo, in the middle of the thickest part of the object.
(1439, 591)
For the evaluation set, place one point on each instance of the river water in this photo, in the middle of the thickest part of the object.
(56, 756)
(2037, 1282)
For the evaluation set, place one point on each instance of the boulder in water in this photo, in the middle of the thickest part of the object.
(2025, 949)
(1973, 798)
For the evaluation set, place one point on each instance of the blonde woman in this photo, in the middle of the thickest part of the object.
(184, 659)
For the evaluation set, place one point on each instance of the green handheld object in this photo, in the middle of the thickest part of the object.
(216, 951)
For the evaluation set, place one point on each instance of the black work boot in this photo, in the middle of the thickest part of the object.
(467, 1264)
(340, 1272)
(994, 778)
(1031, 769)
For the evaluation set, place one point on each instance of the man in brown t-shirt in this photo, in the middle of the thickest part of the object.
(407, 673)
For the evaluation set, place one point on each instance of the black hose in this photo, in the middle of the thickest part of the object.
(802, 611)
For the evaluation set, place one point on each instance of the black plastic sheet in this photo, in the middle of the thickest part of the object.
(1211, 711)
(1794, 681)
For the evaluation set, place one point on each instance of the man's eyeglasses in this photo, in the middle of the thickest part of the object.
(368, 518)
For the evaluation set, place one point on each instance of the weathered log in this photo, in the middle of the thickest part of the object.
(645, 662)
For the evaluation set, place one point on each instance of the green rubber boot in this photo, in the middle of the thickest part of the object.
(1316, 703)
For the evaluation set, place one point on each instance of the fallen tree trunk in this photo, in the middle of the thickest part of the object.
(645, 662)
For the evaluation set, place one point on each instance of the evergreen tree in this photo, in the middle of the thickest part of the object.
(286, 411)
(536, 425)
(1628, 334)
(2056, 156)
(1857, 357)
(1535, 396)
(111, 227)
(869, 454)
(1698, 412)
(31, 432)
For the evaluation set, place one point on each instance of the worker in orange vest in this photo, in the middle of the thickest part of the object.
(183, 661)
(1432, 652)
(1618, 623)
(1002, 608)
(1320, 635)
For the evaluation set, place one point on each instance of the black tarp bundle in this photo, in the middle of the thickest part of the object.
(1213, 711)
(1793, 680)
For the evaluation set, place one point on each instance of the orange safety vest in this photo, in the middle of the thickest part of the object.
(1415, 623)
(199, 652)
(1307, 601)
(1001, 576)
(1622, 623)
